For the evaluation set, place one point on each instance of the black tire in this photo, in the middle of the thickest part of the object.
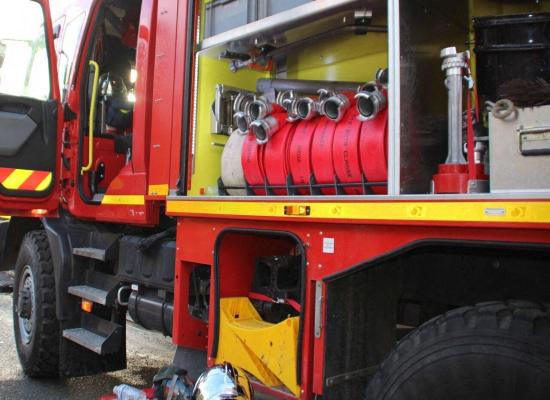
(36, 327)
(497, 350)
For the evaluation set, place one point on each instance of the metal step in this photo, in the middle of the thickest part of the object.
(96, 334)
(96, 295)
(91, 252)
(88, 339)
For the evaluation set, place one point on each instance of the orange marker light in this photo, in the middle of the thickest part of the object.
(86, 306)
(39, 211)
(297, 210)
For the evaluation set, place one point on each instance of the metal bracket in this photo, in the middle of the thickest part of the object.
(318, 324)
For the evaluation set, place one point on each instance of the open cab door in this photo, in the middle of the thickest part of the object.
(30, 113)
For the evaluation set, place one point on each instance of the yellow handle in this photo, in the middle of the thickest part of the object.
(91, 122)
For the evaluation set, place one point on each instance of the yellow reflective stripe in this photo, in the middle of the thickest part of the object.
(16, 179)
(158, 190)
(467, 211)
(45, 184)
(128, 200)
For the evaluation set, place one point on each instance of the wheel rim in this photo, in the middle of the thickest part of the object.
(26, 305)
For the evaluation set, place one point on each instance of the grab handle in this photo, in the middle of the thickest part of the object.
(91, 122)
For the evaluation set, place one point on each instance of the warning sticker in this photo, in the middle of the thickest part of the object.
(328, 245)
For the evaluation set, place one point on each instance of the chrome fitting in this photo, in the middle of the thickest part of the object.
(242, 122)
(259, 109)
(335, 107)
(306, 108)
(263, 129)
(370, 103)
(223, 382)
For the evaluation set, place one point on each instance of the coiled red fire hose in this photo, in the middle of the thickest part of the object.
(299, 153)
(321, 155)
(345, 150)
(374, 150)
(275, 158)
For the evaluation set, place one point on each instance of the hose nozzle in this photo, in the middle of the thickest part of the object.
(265, 128)
(335, 107)
(242, 121)
(370, 101)
(261, 108)
(306, 108)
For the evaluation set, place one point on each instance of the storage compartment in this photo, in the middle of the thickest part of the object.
(511, 47)
(336, 46)
(259, 278)
(387, 129)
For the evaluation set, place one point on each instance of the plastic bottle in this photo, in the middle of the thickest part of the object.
(127, 392)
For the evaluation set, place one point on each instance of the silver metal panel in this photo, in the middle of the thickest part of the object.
(426, 27)
(512, 171)
(273, 7)
(225, 15)
(289, 26)
(394, 106)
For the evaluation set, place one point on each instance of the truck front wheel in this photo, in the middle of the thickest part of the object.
(34, 320)
(497, 350)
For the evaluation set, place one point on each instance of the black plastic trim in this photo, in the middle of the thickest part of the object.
(46, 120)
(433, 242)
(186, 114)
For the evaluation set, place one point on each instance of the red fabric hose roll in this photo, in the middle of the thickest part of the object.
(345, 150)
(374, 150)
(321, 155)
(275, 158)
(299, 153)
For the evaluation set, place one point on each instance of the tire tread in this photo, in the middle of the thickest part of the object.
(44, 362)
(519, 318)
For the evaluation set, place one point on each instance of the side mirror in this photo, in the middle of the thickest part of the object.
(56, 31)
(223, 382)
(2, 53)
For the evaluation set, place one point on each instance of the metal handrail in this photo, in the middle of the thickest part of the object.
(91, 121)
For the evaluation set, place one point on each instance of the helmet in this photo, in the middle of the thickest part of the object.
(223, 382)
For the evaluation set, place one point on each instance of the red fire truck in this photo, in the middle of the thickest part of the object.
(343, 198)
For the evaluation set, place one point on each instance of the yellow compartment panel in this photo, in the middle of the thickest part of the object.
(267, 351)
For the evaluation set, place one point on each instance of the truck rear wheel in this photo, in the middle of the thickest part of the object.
(34, 320)
(498, 350)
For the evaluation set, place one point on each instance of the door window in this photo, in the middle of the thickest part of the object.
(24, 66)
(68, 52)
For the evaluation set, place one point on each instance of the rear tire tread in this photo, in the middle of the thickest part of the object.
(524, 320)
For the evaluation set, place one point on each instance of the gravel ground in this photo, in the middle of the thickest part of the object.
(147, 352)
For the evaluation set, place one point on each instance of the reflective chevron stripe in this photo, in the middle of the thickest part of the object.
(24, 179)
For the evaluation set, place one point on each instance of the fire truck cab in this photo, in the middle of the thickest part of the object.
(342, 198)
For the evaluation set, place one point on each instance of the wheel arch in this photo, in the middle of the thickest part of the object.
(412, 284)
(60, 248)
(12, 232)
